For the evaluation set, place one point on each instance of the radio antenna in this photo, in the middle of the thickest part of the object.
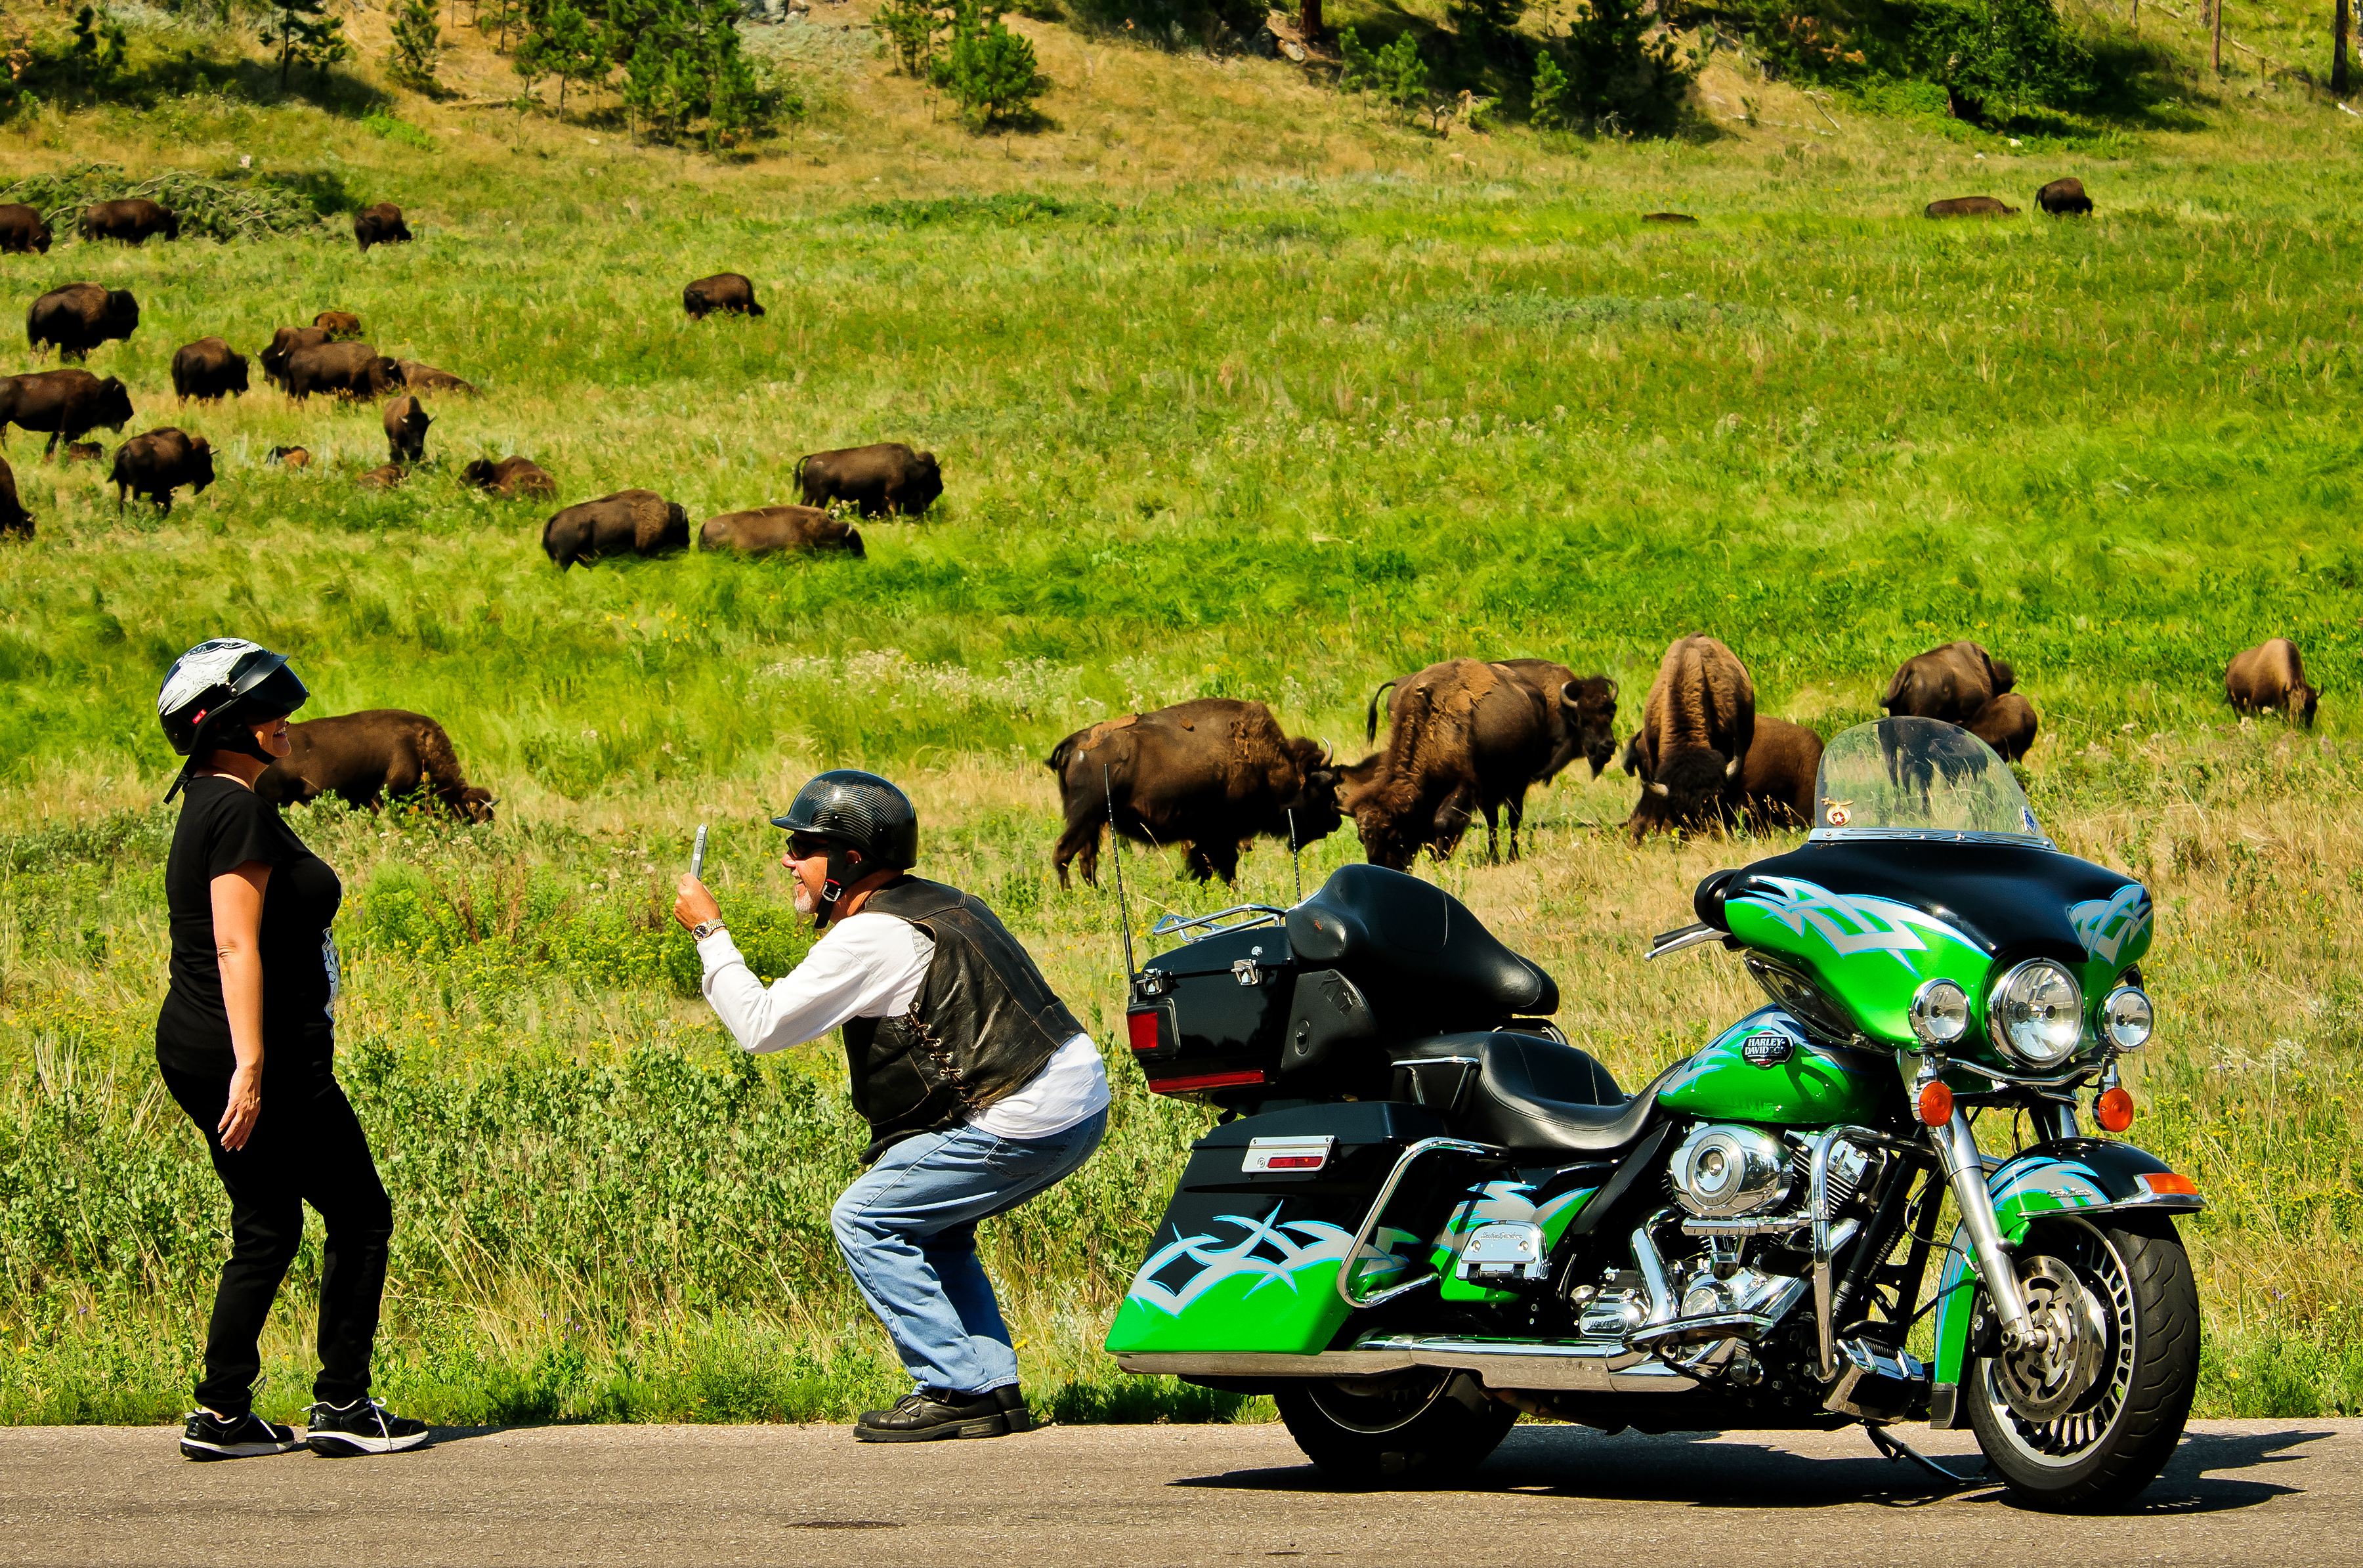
(1116, 849)
(1295, 864)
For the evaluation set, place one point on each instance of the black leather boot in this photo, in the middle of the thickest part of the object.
(926, 1415)
(1012, 1404)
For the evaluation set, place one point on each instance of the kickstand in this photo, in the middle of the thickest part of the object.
(1896, 1449)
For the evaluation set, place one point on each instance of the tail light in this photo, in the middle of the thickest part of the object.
(1197, 1080)
(1141, 1027)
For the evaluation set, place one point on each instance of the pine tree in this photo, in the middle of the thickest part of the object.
(988, 70)
(1549, 100)
(302, 30)
(417, 40)
(99, 47)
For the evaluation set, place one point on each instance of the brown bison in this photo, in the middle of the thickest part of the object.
(285, 342)
(294, 457)
(385, 476)
(1949, 682)
(78, 317)
(1970, 207)
(341, 370)
(1697, 725)
(512, 476)
(2063, 197)
(23, 230)
(1582, 712)
(367, 758)
(341, 326)
(1466, 736)
(421, 377)
(158, 462)
(84, 452)
(1211, 773)
(2271, 678)
(380, 224)
(405, 429)
(209, 370)
(887, 478)
(629, 522)
(1776, 782)
(2006, 724)
(68, 403)
(133, 220)
(13, 519)
(767, 528)
(729, 293)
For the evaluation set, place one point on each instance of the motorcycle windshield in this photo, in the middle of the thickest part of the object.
(1919, 778)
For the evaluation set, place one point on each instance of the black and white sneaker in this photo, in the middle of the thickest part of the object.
(208, 1436)
(365, 1426)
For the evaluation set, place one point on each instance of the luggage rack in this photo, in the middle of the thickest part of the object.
(1254, 915)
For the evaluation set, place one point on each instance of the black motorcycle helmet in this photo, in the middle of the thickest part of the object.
(854, 811)
(215, 691)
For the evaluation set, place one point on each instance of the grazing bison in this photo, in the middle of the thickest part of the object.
(878, 480)
(341, 326)
(512, 476)
(634, 522)
(2271, 678)
(294, 457)
(133, 220)
(285, 342)
(2006, 724)
(209, 370)
(421, 377)
(23, 230)
(1210, 773)
(1949, 682)
(367, 758)
(1970, 207)
(730, 293)
(385, 476)
(68, 403)
(1775, 783)
(84, 452)
(342, 370)
(78, 317)
(1466, 736)
(1667, 217)
(1697, 726)
(380, 224)
(767, 528)
(405, 429)
(1582, 712)
(13, 519)
(2063, 197)
(158, 462)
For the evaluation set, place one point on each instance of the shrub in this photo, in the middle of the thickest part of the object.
(1617, 76)
(417, 40)
(1986, 51)
(988, 70)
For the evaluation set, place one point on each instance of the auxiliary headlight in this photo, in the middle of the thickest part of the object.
(2036, 1013)
(2127, 1019)
(1940, 1013)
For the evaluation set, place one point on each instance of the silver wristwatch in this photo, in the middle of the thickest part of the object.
(705, 928)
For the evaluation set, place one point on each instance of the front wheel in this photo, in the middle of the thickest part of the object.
(1416, 1428)
(2090, 1419)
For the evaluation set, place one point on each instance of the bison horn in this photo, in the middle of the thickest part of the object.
(1653, 787)
(1328, 754)
(1731, 769)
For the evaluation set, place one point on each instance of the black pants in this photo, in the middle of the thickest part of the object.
(307, 1147)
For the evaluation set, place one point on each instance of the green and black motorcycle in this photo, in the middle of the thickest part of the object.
(1423, 1211)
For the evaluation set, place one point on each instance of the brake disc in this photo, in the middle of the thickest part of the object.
(2045, 1383)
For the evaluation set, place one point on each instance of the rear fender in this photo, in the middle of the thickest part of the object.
(2071, 1175)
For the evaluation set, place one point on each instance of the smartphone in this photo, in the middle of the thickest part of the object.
(697, 853)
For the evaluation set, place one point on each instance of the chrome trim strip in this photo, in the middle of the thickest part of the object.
(1262, 1363)
(1600, 1366)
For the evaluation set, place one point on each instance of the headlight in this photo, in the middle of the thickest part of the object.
(1940, 1013)
(2127, 1019)
(2036, 1013)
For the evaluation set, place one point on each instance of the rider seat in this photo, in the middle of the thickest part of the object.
(1535, 1096)
(1423, 961)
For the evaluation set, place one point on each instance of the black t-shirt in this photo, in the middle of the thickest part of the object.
(223, 826)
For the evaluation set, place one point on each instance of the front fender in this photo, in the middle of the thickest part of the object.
(2078, 1176)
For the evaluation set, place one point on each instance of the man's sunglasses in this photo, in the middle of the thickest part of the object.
(805, 847)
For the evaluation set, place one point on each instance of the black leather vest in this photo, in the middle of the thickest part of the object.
(983, 1024)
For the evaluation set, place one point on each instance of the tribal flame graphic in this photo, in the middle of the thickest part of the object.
(1320, 1243)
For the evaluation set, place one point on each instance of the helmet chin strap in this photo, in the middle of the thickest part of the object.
(842, 871)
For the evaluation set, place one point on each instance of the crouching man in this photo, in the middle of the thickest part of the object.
(980, 1086)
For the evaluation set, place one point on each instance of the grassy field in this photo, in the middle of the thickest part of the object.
(1261, 397)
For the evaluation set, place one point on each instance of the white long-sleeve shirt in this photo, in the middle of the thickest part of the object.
(871, 966)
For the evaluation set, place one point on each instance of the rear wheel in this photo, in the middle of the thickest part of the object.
(2090, 1419)
(1408, 1428)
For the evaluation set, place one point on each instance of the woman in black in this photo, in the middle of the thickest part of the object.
(245, 1041)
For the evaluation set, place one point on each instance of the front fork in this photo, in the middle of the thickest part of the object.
(1965, 1169)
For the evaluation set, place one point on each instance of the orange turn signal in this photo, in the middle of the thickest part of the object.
(2163, 1183)
(2113, 1110)
(1936, 1103)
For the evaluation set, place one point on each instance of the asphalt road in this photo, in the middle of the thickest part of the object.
(2280, 1493)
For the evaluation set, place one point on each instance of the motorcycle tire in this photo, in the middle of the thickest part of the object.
(2109, 1441)
(1415, 1429)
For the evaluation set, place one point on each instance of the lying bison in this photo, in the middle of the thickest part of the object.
(284, 343)
(405, 429)
(1465, 737)
(1949, 682)
(629, 522)
(1777, 782)
(2006, 724)
(729, 293)
(133, 220)
(878, 480)
(2271, 678)
(292, 457)
(385, 476)
(13, 519)
(341, 370)
(1698, 724)
(1970, 207)
(341, 326)
(512, 476)
(1582, 712)
(209, 370)
(420, 377)
(367, 758)
(23, 231)
(2062, 197)
(380, 224)
(764, 529)
(159, 462)
(84, 452)
(1211, 773)
(68, 403)
(78, 317)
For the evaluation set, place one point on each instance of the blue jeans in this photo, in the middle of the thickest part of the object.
(908, 1231)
